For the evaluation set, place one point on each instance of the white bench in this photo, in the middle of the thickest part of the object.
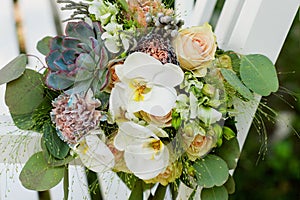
(245, 26)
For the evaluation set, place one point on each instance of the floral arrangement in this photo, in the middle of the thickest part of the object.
(127, 89)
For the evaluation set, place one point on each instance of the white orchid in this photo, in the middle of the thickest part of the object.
(94, 153)
(144, 153)
(145, 85)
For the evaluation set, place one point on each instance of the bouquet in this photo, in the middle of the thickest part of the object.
(127, 89)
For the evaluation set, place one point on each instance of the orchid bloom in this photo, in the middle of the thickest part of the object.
(145, 85)
(94, 153)
(144, 153)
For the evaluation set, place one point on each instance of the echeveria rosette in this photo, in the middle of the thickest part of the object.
(145, 84)
(145, 155)
(77, 59)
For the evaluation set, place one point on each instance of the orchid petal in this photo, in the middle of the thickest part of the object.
(146, 163)
(158, 103)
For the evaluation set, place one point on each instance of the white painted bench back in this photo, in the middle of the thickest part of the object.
(245, 26)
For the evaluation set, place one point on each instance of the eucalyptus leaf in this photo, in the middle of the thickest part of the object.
(229, 152)
(211, 171)
(13, 70)
(51, 160)
(37, 175)
(259, 74)
(55, 145)
(23, 121)
(230, 185)
(43, 46)
(215, 193)
(235, 82)
(24, 94)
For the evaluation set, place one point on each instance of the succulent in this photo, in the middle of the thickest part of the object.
(75, 115)
(78, 59)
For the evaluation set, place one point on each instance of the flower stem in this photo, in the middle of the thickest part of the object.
(159, 193)
(66, 182)
(94, 185)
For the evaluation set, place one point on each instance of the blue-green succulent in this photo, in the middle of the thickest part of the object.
(78, 60)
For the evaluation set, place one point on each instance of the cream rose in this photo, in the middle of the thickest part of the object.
(200, 146)
(195, 46)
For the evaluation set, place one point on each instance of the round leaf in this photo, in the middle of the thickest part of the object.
(229, 152)
(230, 185)
(54, 144)
(24, 94)
(235, 82)
(211, 171)
(37, 175)
(44, 45)
(259, 74)
(13, 69)
(215, 193)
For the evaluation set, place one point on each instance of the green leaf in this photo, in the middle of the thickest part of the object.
(128, 179)
(24, 94)
(51, 160)
(137, 192)
(23, 121)
(13, 70)
(215, 193)
(211, 171)
(54, 144)
(230, 185)
(43, 46)
(259, 74)
(229, 152)
(37, 175)
(235, 82)
(235, 60)
(228, 133)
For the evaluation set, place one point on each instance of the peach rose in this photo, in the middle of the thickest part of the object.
(195, 47)
(172, 172)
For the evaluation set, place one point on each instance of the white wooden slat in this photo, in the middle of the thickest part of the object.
(37, 22)
(10, 185)
(8, 43)
(227, 20)
(184, 8)
(260, 28)
(202, 12)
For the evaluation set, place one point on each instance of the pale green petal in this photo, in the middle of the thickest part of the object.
(94, 154)
(209, 115)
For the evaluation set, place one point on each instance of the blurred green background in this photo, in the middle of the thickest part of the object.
(276, 175)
